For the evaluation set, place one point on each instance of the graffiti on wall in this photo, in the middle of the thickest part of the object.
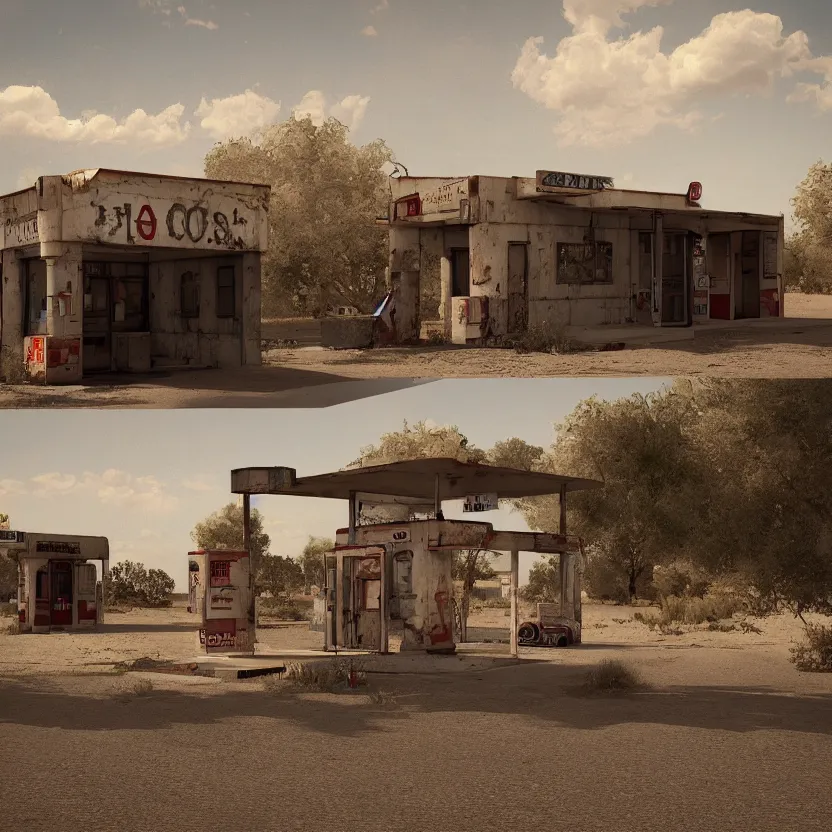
(35, 350)
(441, 632)
(179, 223)
(21, 232)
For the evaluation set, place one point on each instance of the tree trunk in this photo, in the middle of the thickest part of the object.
(632, 587)
(465, 604)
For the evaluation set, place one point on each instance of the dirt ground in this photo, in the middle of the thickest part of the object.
(801, 350)
(727, 736)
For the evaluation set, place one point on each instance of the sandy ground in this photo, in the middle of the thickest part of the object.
(798, 347)
(728, 736)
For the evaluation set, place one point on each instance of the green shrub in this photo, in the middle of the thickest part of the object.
(497, 603)
(814, 653)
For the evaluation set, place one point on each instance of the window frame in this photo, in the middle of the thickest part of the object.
(602, 251)
(221, 311)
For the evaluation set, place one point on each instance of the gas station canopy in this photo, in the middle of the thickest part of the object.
(417, 481)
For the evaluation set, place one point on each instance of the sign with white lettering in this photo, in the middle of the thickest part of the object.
(7, 536)
(480, 502)
(553, 181)
(444, 199)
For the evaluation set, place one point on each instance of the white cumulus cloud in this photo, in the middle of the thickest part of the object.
(610, 90)
(350, 111)
(237, 115)
(370, 31)
(111, 487)
(31, 112)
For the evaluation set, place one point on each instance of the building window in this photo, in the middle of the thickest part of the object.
(189, 295)
(584, 263)
(226, 292)
(41, 584)
(36, 297)
(220, 573)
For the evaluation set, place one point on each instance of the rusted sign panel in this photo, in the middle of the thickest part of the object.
(445, 198)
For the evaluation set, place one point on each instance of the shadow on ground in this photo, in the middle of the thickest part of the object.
(532, 692)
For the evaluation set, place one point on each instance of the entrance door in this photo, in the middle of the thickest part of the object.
(60, 594)
(518, 290)
(360, 608)
(675, 279)
(748, 305)
(98, 336)
(461, 273)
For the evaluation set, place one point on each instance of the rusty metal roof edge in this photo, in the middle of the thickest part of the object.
(167, 176)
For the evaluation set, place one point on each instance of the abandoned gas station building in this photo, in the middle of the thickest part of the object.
(106, 271)
(489, 256)
(58, 587)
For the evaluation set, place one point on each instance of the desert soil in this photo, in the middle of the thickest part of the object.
(314, 377)
(787, 351)
(728, 735)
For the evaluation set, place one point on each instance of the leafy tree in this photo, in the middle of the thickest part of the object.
(311, 561)
(8, 567)
(544, 582)
(325, 245)
(515, 453)
(470, 566)
(279, 576)
(809, 250)
(766, 448)
(224, 530)
(132, 583)
(638, 448)
(421, 441)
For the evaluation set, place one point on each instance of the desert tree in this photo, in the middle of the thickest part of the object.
(133, 583)
(311, 561)
(638, 448)
(767, 511)
(224, 530)
(326, 246)
(808, 255)
(8, 567)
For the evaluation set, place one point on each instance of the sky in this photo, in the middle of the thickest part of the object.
(654, 93)
(145, 478)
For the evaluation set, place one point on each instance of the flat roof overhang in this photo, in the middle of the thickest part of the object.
(413, 482)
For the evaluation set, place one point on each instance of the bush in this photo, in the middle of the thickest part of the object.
(285, 609)
(130, 584)
(814, 653)
(7, 609)
(699, 610)
(543, 338)
(611, 676)
(327, 676)
(680, 579)
(497, 603)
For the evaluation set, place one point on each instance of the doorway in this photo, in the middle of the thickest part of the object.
(460, 272)
(60, 594)
(115, 301)
(518, 290)
(748, 297)
(675, 279)
(357, 603)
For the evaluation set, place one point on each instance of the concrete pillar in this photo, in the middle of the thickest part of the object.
(658, 254)
(250, 314)
(12, 300)
(252, 574)
(515, 613)
(105, 571)
(446, 287)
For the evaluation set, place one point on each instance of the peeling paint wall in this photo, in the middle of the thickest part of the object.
(101, 215)
(206, 340)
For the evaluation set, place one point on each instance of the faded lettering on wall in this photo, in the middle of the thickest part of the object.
(21, 232)
(176, 223)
